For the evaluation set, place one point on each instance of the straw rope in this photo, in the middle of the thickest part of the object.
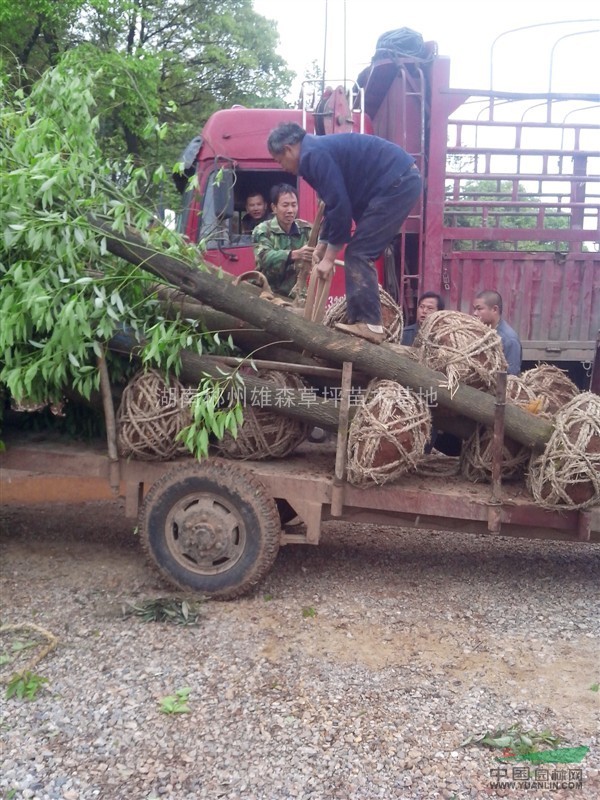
(477, 450)
(391, 315)
(551, 383)
(51, 643)
(568, 471)
(388, 434)
(150, 416)
(462, 347)
(263, 433)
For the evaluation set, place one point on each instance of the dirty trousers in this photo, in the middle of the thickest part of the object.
(376, 228)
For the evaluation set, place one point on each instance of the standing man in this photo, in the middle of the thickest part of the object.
(280, 248)
(256, 212)
(488, 308)
(361, 178)
(428, 304)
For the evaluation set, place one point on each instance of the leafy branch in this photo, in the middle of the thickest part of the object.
(62, 295)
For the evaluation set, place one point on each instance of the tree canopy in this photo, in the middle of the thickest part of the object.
(176, 61)
(62, 295)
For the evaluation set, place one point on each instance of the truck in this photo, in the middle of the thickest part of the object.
(215, 527)
(510, 202)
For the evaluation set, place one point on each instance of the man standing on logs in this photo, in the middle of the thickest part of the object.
(362, 178)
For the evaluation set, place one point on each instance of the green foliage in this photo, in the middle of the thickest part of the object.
(24, 685)
(176, 703)
(62, 295)
(308, 612)
(514, 739)
(165, 609)
(595, 687)
(215, 409)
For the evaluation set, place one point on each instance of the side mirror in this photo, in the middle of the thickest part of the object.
(223, 195)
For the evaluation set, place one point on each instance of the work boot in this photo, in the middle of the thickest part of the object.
(362, 330)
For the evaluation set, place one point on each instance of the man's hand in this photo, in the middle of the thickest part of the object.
(302, 255)
(325, 266)
(319, 252)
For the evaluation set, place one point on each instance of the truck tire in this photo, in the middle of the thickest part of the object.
(211, 528)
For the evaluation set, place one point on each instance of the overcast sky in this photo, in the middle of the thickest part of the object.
(463, 29)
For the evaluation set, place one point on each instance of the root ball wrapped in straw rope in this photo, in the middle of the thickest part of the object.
(477, 450)
(462, 347)
(567, 474)
(388, 434)
(552, 384)
(151, 414)
(391, 315)
(263, 433)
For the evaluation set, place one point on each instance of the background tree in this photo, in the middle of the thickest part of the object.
(163, 62)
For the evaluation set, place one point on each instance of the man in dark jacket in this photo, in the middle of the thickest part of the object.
(360, 178)
(427, 304)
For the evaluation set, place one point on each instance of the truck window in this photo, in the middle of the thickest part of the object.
(217, 209)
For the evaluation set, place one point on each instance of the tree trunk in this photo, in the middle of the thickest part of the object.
(376, 360)
(321, 412)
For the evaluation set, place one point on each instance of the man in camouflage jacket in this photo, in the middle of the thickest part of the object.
(280, 243)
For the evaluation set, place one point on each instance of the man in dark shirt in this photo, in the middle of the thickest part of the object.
(488, 308)
(427, 304)
(360, 178)
(256, 212)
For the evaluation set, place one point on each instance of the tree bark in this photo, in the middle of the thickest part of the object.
(244, 335)
(376, 360)
(320, 412)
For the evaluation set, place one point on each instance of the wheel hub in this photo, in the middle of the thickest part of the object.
(206, 532)
(203, 538)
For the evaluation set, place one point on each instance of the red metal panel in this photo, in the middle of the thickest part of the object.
(546, 298)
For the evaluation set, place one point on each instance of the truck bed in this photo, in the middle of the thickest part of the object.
(45, 468)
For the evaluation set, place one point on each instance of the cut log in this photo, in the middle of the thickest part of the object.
(321, 412)
(375, 360)
(318, 411)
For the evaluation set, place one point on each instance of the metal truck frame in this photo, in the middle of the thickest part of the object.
(511, 198)
(214, 527)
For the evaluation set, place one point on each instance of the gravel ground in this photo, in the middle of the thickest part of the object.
(418, 639)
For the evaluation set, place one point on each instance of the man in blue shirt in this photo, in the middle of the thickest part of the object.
(360, 178)
(488, 308)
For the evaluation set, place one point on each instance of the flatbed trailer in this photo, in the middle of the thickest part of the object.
(214, 527)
